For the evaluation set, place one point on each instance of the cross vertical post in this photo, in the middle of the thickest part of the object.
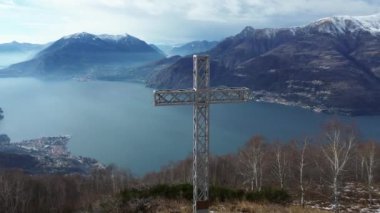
(201, 76)
(201, 96)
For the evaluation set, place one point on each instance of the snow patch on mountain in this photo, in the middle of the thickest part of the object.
(78, 35)
(112, 37)
(371, 23)
(266, 32)
(335, 25)
(347, 24)
(83, 35)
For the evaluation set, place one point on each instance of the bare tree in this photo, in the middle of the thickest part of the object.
(251, 160)
(368, 155)
(340, 141)
(301, 170)
(118, 179)
(279, 167)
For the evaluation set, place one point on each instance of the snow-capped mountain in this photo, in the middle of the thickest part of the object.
(125, 39)
(332, 65)
(347, 24)
(336, 25)
(82, 41)
(88, 54)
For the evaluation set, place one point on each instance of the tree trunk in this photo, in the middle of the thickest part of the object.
(336, 195)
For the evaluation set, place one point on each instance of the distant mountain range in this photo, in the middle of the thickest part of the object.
(84, 54)
(20, 47)
(193, 47)
(330, 65)
(187, 48)
(15, 52)
(148, 71)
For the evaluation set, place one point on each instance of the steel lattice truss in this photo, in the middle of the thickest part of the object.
(201, 96)
(213, 96)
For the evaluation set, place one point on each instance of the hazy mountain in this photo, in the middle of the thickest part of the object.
(166, 48)
(20, 47)
(332, 64)
(187, 48)
(193, 47)
(16, 52)
(87, 54)
(144, 72)
(157, 49)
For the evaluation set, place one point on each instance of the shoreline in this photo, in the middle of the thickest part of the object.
(47, 155)
(260, 96)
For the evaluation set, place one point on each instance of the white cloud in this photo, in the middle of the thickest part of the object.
(163, 20)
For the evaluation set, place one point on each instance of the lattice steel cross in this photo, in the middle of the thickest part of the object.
(201, 96)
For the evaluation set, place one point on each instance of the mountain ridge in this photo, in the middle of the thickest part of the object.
(325, 65)
(85, 54)
(330, 65)
(15, 46)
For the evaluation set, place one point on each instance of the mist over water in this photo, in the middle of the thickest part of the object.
(116, 122)
(8, 58)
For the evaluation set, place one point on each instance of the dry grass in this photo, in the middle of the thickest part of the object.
(167, 206)
(249, 207)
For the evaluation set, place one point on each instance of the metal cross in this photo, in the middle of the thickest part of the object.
(200, 97)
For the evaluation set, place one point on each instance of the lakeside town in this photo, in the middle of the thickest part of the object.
(44, 155)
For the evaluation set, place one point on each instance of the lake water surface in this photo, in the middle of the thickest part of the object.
(116, 122)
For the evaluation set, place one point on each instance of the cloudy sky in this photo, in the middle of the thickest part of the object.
(163, 21)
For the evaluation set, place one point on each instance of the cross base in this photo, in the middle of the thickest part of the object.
(203, 205)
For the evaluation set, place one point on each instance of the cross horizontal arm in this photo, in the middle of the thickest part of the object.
(229, 95)
(211, 96)
(174, 97)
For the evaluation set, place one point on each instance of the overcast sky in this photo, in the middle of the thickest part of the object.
(163, 21)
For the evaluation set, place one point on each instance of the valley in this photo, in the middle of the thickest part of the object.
(81, 82)
(330, 65)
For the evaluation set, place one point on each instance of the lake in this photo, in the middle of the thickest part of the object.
(116, 122)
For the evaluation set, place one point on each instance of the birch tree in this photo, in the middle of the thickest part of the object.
(337, 150)
(251, 160)
(301, 171)
(281, 161)
(368, 156)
